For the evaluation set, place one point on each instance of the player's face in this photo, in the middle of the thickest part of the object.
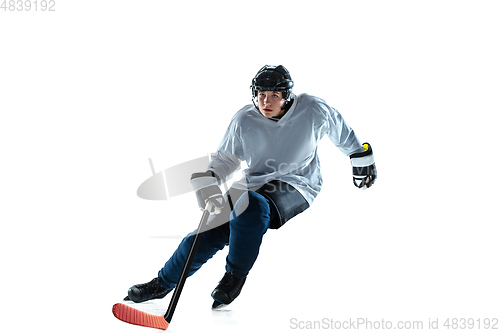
(271, 103)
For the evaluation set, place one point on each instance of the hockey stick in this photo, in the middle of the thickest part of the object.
(133, 316)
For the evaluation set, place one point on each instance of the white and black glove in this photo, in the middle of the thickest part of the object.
(364, 172)
(206, 186)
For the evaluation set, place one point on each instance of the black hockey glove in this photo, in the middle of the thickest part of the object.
(364, 172)
(206, 186)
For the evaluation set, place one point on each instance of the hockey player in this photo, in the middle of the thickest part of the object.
(277, 136)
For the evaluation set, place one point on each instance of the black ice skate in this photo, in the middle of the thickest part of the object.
(146, 291)
(228, 289)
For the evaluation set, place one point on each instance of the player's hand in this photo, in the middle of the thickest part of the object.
(364, 172)
(206, 186)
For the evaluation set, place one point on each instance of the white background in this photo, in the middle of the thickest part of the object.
(91, 91)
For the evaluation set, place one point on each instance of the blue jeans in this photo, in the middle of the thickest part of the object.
(248, 221)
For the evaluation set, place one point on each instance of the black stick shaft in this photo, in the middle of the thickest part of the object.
(187, 266)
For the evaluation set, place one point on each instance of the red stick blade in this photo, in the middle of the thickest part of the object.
(136, 317)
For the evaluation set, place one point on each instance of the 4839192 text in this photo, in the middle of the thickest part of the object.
(28, 5)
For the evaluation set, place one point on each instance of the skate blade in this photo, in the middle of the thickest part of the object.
(218, 305)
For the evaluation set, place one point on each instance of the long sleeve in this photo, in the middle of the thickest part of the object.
(229, 155)
(339, 132)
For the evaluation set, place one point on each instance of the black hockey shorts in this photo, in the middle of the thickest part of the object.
(287, 201)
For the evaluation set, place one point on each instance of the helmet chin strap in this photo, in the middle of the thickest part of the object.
(256, 106)
(287, 104)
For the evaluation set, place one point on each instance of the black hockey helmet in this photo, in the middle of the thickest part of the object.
(273, 78)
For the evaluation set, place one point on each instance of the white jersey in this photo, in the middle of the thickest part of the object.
(283, 150)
